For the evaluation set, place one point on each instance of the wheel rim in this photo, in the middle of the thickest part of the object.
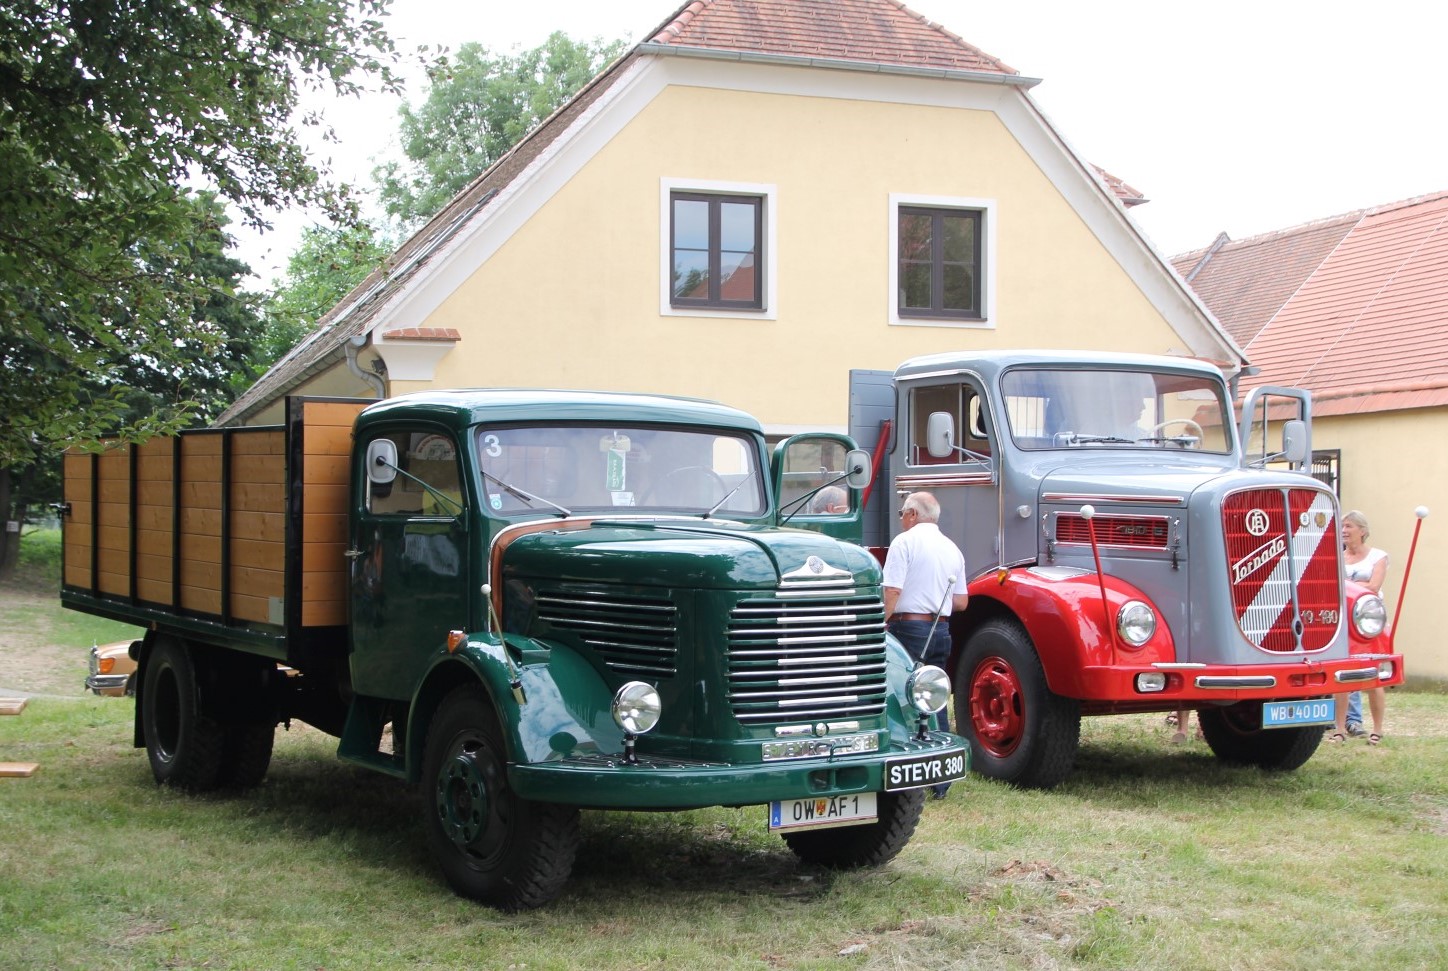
(997, 706)
(468, 809)
(165, 705)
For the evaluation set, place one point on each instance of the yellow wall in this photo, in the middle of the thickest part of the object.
(572, 299)
(1392, 463)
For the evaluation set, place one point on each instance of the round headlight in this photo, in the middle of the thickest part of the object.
(1135, 622)
(636, 707)
(928, 688)
(1369, 615)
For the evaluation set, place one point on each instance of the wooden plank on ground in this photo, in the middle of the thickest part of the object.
(17, 770)
(13, 706)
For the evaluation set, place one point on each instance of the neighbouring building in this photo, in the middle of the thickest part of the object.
(1355, 308)
(757, 198)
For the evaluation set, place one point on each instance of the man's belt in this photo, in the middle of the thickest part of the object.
(925, 617)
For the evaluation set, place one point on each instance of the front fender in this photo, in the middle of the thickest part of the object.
(1063, 614)
(565, 707)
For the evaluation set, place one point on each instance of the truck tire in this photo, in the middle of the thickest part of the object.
(1020, 732)
(873, 844)
(246, 755)
(494, 847)
(1236, 736)
(183, 742)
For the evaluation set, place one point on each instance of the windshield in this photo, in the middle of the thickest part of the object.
(565, 469)
(1049, 408)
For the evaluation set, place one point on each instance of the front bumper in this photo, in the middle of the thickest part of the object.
(1306, 678)
(107, 684)
(606, 781)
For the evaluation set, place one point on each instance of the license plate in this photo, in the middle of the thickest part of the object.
(822, 812)
(915, 771)
(1313, 711)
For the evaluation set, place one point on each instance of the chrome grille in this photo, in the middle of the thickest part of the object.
(635, 636)
(799, 655)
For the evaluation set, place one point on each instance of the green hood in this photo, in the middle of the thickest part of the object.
(683, 553)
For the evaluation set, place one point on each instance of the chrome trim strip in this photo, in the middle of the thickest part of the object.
(1356, 675)
(1069, 497)
(1232, 681)
(1177, 665)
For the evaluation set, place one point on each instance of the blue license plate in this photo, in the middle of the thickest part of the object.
(1310, 711)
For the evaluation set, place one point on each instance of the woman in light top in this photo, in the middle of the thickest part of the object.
(1367, 565)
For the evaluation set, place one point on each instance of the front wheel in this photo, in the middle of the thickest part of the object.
(1236, 736)
(872, 844)
(183, 741)
(492, 846)
(1020, 731)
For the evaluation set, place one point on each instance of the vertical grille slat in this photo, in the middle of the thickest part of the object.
(1282, 567)
(793, 659)
(634, 635)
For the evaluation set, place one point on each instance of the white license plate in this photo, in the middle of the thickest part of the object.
(931, 769)
(1312, 711)
(822, 812)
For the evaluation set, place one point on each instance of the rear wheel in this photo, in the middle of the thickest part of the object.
(183, 742)
(1236, 736)
(246, 754)
(859, 846)
(492, 846)
(1020, 731)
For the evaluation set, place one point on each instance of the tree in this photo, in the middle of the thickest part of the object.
(478, 106)
(107, 107)
(326, 265)
(209, 346)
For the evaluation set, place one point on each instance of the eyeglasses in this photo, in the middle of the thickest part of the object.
(904, 511)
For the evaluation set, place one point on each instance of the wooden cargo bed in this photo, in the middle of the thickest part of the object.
(239, 531)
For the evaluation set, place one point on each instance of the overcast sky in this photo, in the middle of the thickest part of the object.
(1233, 116)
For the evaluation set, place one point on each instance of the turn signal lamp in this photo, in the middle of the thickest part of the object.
(1151, 682)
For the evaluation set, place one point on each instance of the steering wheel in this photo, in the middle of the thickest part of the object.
(675, 482)
(1191, 425)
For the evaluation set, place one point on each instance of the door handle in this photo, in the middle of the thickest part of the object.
(353, 554)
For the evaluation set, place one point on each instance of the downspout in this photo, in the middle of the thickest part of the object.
(374, 381)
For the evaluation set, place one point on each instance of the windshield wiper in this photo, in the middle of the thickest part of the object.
(727, 496)
(527, 497)
(1078, 439)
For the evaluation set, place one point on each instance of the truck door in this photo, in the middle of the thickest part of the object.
(409, 556)
(966, 480)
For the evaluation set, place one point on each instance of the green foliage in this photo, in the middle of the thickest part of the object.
(107, 267)
(479, 106)
(326, 265)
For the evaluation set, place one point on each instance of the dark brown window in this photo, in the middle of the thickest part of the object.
(716, 243)
(940, 262)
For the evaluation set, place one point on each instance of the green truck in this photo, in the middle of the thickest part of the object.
(526, 603)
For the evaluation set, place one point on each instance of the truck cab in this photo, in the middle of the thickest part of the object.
(1127, 551)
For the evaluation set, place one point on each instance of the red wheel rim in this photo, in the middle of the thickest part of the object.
(997, 706)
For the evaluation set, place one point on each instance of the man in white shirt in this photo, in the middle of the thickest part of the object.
(924, 584)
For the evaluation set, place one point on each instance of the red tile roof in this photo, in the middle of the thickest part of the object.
(1246, 282)
(1366, 329)
(873, 31)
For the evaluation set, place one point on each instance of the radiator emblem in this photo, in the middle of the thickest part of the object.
(1257, 522)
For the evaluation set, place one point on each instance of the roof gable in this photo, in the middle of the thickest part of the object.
(873, 31)
(1365, 331)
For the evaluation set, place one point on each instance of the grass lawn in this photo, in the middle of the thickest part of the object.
(1149, 856)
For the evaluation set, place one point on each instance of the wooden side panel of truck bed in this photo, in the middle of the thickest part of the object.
(221, 524)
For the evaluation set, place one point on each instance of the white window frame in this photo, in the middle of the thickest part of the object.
(987, 209)
(768, 193)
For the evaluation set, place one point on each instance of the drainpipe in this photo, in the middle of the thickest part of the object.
(374, 381)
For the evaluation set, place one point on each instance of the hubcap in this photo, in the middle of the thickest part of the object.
(997, 708)
(462, 800)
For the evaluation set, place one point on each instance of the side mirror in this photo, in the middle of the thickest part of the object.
(1294, 441)
(381, 461)
(857, 468)
(940, 435)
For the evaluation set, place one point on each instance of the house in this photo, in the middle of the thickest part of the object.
(760, 196)
(1355, 309)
